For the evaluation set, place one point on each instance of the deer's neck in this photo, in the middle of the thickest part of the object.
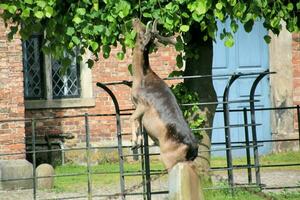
(140, 64)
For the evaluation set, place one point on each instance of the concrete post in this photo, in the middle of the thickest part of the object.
(184, 183)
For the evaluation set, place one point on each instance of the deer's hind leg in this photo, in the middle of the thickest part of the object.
(135, 120)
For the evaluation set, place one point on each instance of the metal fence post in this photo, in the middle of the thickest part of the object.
(298, 118)
(119, 136)
(147, 165)
(34, 179)
(247, 146)
(143, 164)
(253, 126)
(227, 128)
(88, 149)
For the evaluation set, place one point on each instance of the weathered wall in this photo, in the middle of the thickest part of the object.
(11, 96)
(281, 88)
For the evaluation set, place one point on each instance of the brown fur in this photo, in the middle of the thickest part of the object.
(156, 107)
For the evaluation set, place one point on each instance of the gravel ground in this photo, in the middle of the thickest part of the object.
(157, 185)
(270, 178)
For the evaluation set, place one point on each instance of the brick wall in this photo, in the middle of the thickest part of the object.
(102, 129)
(296, 71)
(11, 96)
(296, 66)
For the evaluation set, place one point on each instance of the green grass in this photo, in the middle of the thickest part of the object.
(226, 195)
(286, 195)
(280, 158)
(79, 183)
(102, 175)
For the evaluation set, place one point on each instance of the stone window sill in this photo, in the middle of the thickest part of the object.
(60, 103)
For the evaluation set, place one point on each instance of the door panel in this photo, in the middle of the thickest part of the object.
(249, 54)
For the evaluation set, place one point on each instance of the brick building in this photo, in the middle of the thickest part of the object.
(22, 97)
(47, 95)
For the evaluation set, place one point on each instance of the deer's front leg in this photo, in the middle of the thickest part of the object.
(135, 120)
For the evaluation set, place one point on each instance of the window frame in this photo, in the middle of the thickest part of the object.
(41, 71)
(84, 99)
(78, 81)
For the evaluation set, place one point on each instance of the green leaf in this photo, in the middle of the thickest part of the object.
(169, 6)
(123, 8)
(232, 2)
(77, 19)
(229, 42)
(65, 63)
(13, 31)
(25, 13)
(219, 6)
(275, 22)
(129, 39)
(12, 9)
(184, 28)
(3, 6)
(179, 61)
(70, 31)
(147, 15)
(99, 28)
(39, 14)
(76, 40)
(248, 25)
(298, 5)
(81, 11)
(28, 1)
(176, 73)
(169, 20)
(179, 46)
(130, 69)
(201, 7)
(290, 6)
(49, 11)
(106, 51)
(197, 17)
(267, 39)
(41, 4)
(120, 55)
(90, 63)
(219, 15)
(94, 45)
(234, 26)
(185, 15)
(71, 45)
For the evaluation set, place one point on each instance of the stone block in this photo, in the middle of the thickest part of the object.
(184, 183)
(47, 171)
(15, 169)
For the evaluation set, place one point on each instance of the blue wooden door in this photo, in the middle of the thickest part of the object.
(249, 54)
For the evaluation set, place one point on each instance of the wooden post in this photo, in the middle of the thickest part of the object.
(184, 183)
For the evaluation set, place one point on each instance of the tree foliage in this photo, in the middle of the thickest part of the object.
(98, 25)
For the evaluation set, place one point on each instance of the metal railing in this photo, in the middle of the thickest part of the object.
(146, 173)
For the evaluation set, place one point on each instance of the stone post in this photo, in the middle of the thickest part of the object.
(184, 183)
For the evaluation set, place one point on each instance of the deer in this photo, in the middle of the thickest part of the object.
(156, 106)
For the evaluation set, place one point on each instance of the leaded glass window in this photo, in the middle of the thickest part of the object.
(36, 72)
(32, 62)
(65, 85)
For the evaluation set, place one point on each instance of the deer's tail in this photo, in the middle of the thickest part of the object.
(192, 152)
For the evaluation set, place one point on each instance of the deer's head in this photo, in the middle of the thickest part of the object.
(144, 33)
